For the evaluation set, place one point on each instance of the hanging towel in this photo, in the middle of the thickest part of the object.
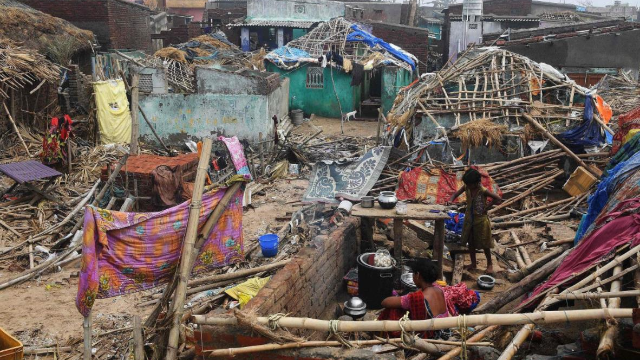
(347, 65)
(114, 118)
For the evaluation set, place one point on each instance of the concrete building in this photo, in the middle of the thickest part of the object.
(117, 24)
(194, 8)
(617, 10)
(384, 11)
(582, 51)
(228, 101)
(276, 22)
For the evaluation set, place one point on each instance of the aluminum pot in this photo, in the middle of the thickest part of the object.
(387, 199)
(486, 282)
(355, 307)
(367, 201)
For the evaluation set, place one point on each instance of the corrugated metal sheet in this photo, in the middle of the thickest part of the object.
(275, 23)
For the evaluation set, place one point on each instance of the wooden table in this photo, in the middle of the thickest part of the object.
(414, 212)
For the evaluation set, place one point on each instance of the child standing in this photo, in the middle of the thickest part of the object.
(476, 231)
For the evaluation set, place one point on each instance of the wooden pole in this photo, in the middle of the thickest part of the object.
(238, 274)
(86, 326)
(204, 234)
(517, 276)
(559, 144)
(261, 153)
(522, 287)
(187, 250)
(397, 246)
(15, 127)
(138, 339)
(523, 250)
(135, 125)
(477, 337)
(599, 295)
(538, 317)
(606, 348)
(379, 126)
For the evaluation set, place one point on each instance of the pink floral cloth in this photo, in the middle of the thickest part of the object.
(237, 155)
(129, 252)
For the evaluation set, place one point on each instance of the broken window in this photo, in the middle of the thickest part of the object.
(315, 77)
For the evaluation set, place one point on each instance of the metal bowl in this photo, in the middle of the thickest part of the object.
(387, 200)
(486, 282)
(407, 281)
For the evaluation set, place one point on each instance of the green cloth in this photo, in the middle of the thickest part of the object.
(477, 226)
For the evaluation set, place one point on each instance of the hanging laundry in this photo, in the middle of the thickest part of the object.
(347, 65)
(358, 74)
(335, 57)
(114, 118)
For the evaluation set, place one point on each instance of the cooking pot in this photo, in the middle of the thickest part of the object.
(407, 282)
(355, 307)
(387, 200)
(486, 282)
(367, 202)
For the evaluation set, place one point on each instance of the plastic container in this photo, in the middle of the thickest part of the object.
(10, 347)
(297, 117)
(374, 283)
(269, 245)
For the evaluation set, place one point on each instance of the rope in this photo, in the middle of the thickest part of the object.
(462, 329)
(333, 331)
(404, 335)
(273, 321)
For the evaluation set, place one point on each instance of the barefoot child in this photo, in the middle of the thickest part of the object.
(476, 230)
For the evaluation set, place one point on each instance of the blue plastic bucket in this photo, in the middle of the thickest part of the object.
(269, 245)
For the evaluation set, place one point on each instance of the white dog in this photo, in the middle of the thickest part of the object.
(350, 115)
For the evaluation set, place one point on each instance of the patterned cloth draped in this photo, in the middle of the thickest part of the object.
(129, 252)
(237, 155)
(626, 122)
(351, 180)
(436, 186)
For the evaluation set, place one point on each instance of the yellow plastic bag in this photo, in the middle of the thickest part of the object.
(112, 106)
(247, 290)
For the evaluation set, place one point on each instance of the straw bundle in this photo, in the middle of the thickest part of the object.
(171, 53)
(206, 39)
(480, 133)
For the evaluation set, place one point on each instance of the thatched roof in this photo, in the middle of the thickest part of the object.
(26, 27)
(21, 67)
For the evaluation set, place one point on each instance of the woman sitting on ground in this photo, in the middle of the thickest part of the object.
(426, 303)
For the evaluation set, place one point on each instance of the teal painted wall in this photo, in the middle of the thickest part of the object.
(393, 79)
(321, 102)
(298, 33)
(177, 117)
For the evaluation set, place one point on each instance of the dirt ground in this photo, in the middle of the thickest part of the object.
(331, 127)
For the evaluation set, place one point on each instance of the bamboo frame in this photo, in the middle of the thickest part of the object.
(538, 317)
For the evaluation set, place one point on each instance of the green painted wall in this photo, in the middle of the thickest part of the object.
(321, 102)
(393, 79)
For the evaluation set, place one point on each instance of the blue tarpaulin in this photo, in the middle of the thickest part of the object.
(286, 54)
(359, 35)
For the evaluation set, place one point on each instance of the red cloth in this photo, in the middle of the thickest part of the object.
(617, 228)
(417, 311)
(626, 122)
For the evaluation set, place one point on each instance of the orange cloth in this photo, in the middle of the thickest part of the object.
(603, 109)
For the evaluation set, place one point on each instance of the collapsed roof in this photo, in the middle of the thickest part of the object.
(496, 85)
(348, 39)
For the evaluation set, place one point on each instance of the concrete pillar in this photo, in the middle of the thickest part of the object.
(244, 39)
(280, 37)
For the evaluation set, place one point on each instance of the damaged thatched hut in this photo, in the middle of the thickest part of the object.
(493, 105)
(338, 68)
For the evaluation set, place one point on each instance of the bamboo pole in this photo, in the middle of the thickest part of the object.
(606, 348)
(359, 343)
(603, 302)
(238, 274)
(187, 250)
(514, 345)
(517, 276)
(538, 317)
(15, 127)
(477, 337)
(559, 144)
(598, 295)
(135, 125)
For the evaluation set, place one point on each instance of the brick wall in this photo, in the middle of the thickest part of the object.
(129, 25)
(178, 34)
(306, 287)
(308, 284)
(411, 39)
